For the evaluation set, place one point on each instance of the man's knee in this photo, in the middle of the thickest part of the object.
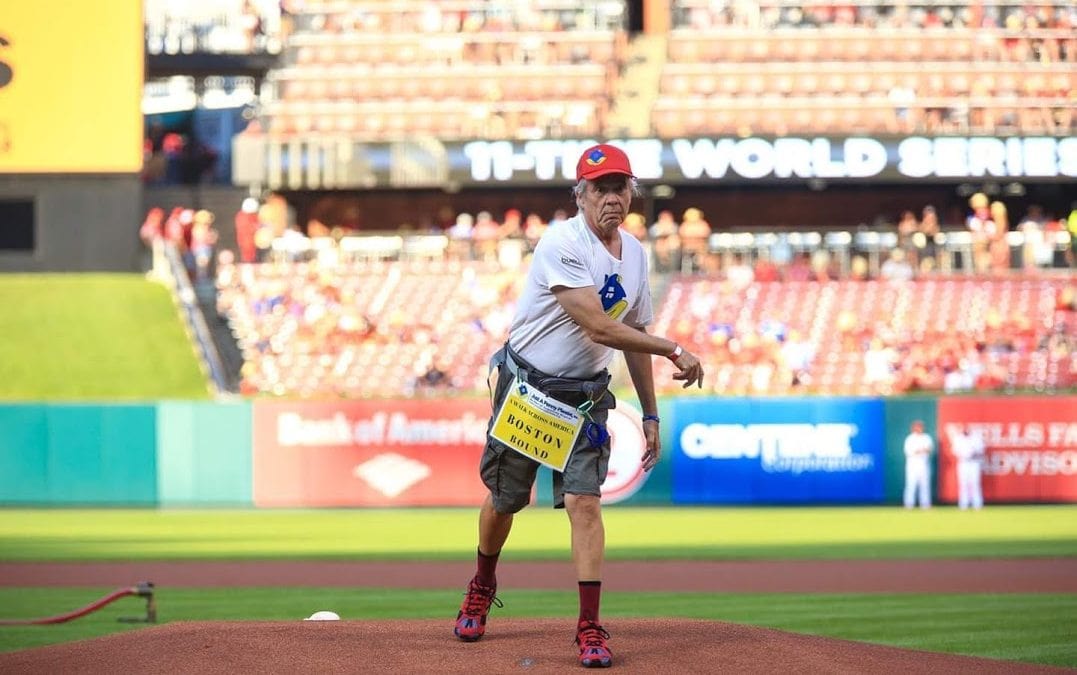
(583, 505)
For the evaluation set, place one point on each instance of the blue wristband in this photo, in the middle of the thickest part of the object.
(653, 418)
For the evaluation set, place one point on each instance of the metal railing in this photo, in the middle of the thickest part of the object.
(175, 276)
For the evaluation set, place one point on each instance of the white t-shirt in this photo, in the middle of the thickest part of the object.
(918, 447)
(570, 255)
(968, 447)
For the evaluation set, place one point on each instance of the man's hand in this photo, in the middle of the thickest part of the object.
(689, 369)
(654, 444)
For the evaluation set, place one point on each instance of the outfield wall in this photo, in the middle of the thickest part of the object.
(401, 453)
(203, 453)
(67, 454)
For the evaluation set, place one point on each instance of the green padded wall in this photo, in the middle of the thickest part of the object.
(899, 414)
(78, 454)
(204, 453)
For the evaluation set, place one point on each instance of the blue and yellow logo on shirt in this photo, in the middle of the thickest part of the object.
(613, 296)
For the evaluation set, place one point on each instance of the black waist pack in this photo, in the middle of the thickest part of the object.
(571, 390)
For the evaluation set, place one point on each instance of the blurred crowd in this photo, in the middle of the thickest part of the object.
(309, 329)
(192, 234)
(174, 158)
(981, 351)
(216, 26)
(297, 306)
(430, 16)
(974, 15)
(914, 244)
(943, 334)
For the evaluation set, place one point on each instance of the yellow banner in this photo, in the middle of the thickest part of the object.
(537, 426)
(71, 86)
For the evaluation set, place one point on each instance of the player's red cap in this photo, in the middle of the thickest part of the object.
(600, 160)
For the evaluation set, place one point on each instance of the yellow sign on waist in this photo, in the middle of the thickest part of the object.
(537, 426)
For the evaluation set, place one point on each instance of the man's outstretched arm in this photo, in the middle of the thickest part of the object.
(582, 304)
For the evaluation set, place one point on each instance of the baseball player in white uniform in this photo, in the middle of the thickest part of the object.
(968, 449)
(918, 449)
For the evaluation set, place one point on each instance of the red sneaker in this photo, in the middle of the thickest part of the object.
(594, 652)
(471, 619)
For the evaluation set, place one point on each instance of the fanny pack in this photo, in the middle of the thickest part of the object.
(571, 390)
(581, 393)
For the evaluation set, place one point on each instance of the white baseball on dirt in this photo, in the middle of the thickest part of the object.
(323, 615)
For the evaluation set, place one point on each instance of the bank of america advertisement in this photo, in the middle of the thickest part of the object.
(759, 451)
(401, 453)
(368, 453)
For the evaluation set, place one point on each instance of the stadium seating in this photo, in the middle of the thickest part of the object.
(998, 330)
(380, 71)
(365, 324)
(363, 329)
(786, 72)
(212, 26)
(389, 71)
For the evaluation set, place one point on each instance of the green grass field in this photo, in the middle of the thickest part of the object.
(539, 533)
(1028, 627)
(93, 336)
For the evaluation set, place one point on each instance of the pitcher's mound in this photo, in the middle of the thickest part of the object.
(660, 646)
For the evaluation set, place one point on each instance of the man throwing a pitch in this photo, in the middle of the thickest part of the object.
(586, 295)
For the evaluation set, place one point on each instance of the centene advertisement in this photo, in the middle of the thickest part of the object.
(1030, 442)
(369, 453)
(778, 451)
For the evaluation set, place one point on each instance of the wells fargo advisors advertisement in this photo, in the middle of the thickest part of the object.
(71, 86)
(1031, 446)
(369, 453)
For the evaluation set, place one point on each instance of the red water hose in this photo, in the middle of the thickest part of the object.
(144, 589)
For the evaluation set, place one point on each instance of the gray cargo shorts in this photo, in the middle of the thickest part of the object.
(510, 476)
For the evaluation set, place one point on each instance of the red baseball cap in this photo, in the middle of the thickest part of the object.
(600, 160)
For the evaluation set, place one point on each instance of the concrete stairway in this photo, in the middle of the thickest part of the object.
(635, 94)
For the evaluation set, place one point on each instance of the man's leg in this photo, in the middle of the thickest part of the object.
(494, 528)
(910, 486)
(588, 552)
(962, 487)
(925, 489)
(588, 536)
(481, 592)
(977, 488)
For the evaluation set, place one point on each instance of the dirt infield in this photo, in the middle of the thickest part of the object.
(658, 646)
(643, 646)
(1033, 575)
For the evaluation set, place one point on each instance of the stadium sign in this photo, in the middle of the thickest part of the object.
(368, 453)
(327, 162)
(1031, 446)
(778, 451)
(787, 158)
(790, 448)
(71, 78)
